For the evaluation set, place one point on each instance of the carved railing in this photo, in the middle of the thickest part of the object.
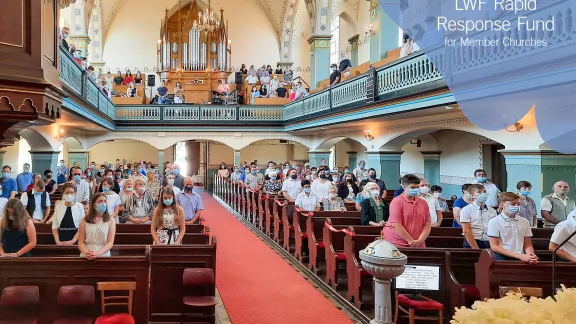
(138, 113)
(181, 113)
(258, 114)
(415, 71)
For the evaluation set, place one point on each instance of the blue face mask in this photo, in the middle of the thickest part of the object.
(513, 209)
(176, 172)
(273, 178)
(482, 197)
(362, 166)
(307, 190)
(525, 193)
(5, 175)
(413, 192)
(77, 177)
(168, 202)
(481, 179)
(253, 172)
(105, 189)
(327, 172)
(101, 208)
(323, 163)
(346, 171)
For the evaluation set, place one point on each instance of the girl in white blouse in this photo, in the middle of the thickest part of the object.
(67, 217)
(112, 199)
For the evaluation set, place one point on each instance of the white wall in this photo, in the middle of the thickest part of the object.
(263, 151)
(363, 21)
(300, 46)
(348, 145)
(132, 42)
(130, 150)
(460, 155)
(11, 157)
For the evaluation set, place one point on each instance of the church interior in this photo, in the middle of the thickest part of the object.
(227, 161)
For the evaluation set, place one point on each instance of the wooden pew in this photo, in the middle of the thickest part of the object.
(279, 209)
(269, 215)
(133, 238)
(335, 231)
(132, 228)
(352, 246)
(72, 250)
(167, 264)
(49, 274)
(315, 232)
(460, 276)
(491, 274)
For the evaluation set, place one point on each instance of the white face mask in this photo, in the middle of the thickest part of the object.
(374, 193)
(438, 195)
(424, 189)
(129, 189)
(68, 198)
(331, 196)
(170, 182)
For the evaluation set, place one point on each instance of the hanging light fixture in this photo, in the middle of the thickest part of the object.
(207, 21)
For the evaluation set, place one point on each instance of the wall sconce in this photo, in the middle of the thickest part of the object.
(369, 31)
(60, 135)
(367, 135)
(517, 126)
(417, 141)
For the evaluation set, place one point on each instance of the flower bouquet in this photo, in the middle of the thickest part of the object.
(516, 309)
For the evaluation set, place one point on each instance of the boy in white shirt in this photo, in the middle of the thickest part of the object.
(475, 217)
(307, 200)
(511, 236)
(561, 232)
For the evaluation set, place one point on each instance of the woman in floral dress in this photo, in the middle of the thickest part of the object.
(168, 223)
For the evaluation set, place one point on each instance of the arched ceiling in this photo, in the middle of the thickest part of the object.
(275, 9)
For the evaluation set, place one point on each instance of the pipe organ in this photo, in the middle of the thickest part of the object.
(193, 50)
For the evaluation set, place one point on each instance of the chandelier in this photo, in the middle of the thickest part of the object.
(207, 21)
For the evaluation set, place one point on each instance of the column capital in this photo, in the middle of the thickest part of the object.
(431, 155)
(385, 153)
(354, 39)
(319, 41)
(374, 4)
(44, 152)
(352, 152)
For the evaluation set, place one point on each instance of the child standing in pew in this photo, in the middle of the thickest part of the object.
(475, 217)
(97, 230)
(168, 222)
(17, 231)
(511, 236)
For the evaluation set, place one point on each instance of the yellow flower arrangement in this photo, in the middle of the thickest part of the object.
(515, 309)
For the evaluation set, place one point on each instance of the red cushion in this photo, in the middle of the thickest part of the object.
(340, 256)
(365, 273)
(320, 245)
(427, 304)
(471, 291)
(305, 235)
(292, 227)
(115, 319)
(200, 301)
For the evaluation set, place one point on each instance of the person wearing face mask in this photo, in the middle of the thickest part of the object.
(511, 236)
(475, 217)
(335, 179)
(119, 179)
(274, 83)
(335, 75)
(348, 189)
(372, 177)
(271, 168)
(112, 199)
(17, 231)
(82, 187)
(126, 193)
(168, 222)
(254, 180)
(109, 174)
(460, 203)
(97, 230)
(118, 79)
(178, 93)
(556, 206)
(300, 91)
(140, 206)
(78, 57)
(432, 202)
(128, 78)
(138, 78)
(191, 202)
(64, 32)
(68, 215)
(345, 65)
(360, 172)
(292, 186)
(321, 185)
(223, 172)
(178, 178)
(153, 185)
(236, 175)
(527, 205)
(10, 188)
(3, 202)
(437, 192)
(37, 202)
(491, 189)
(409, 223)
(24, 179)
(374, 210)
(332, 202)
(307, 200)
(35, 178)
(272, 184)
(170, 184)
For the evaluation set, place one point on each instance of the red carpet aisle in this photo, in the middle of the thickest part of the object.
(257, 286)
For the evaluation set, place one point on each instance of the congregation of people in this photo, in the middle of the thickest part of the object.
(91, 202)
(489, 218)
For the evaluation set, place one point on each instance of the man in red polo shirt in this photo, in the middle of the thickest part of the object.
(409, 223)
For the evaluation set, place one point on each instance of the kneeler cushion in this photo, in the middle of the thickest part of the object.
(115, 319)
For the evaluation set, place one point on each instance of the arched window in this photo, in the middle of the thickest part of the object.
(335, 41)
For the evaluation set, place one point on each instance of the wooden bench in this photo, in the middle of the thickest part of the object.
(131, 228)
(271, 101)
(128, 100)
(491, 274)
(133, 238)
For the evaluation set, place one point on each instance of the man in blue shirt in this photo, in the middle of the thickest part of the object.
(190, 202)
(162, 93)
(461, 203)
(9, 187)
(64, 169)
(24, 179)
